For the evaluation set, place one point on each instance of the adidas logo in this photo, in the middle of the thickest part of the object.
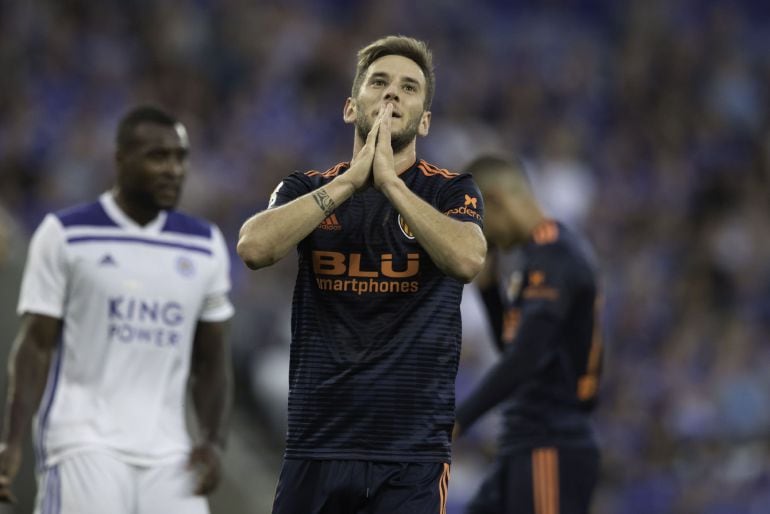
(330, 223)
(107, 260)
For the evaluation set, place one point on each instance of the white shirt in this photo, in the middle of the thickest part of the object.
(130, 297)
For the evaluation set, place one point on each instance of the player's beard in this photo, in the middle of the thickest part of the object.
(398, 140)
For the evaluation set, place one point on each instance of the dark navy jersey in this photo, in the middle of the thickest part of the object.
(375, 325)
(545, 322)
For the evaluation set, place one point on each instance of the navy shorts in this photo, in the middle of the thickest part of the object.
(361, 487)
(539, 481)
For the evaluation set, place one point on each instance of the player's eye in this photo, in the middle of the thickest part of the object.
(410, 88)
(378, 82)
(157, 155)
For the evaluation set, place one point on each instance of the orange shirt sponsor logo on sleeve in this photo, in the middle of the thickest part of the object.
(537, 289)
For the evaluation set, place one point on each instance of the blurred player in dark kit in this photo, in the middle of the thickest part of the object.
(544, 317)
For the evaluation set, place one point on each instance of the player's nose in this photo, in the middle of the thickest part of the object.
(391, 92)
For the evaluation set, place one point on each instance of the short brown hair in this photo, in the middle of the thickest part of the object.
(404, 46)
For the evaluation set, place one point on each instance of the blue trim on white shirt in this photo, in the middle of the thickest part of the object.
(185, 224)
(47, 403)
(90, 215)
(140, 240)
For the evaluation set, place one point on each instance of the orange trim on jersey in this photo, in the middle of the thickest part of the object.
(588, 384)
(430, 170)
(511, 319)
(545, 232)
(331, 220)
(331, 172)
(443, 488)
(545, 480)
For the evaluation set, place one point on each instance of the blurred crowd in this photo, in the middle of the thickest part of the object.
(646, 124)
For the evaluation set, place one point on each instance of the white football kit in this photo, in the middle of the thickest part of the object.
(130, 298)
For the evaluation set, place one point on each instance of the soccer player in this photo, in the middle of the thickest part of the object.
(546, 379)
(385, 243)
(122, 300)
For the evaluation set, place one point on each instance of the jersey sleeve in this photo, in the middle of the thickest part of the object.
(545, 299)
(549, 283)
(44, 283)
(493, 304)
(290, 188)
(461, 199)
(216, 304)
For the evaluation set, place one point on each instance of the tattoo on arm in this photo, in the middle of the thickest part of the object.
(324, 201)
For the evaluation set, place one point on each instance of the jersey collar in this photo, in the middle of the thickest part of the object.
(113, 210)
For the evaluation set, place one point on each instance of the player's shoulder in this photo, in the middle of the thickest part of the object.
(90, 214)
(181, 223)
(329, 174)
(554, 241)
(432, 171)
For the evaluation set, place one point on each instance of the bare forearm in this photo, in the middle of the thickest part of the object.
(211, 380)
(212, 398)
(27, 375)
(268, 236)
(457, 248)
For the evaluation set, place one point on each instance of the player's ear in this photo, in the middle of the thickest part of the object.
(424, 127)
(349, 111)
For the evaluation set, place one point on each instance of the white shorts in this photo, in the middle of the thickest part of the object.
(99, 483)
